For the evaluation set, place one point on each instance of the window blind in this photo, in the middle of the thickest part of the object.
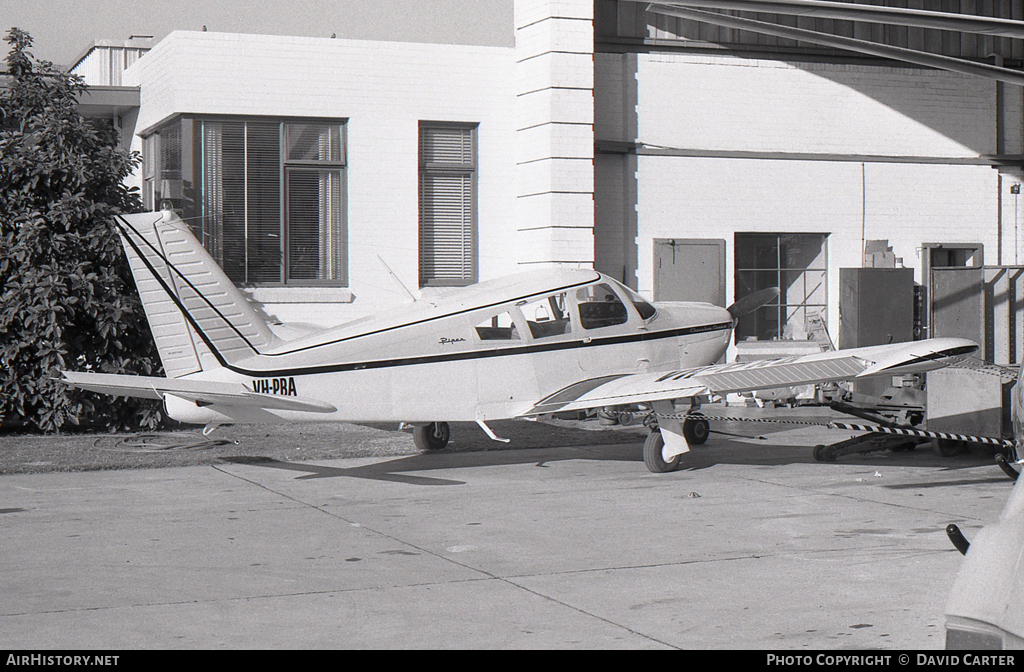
(270, 195)
(446, 227)
(263, 187)
(447, 205)
(242, 199)
(314, 225)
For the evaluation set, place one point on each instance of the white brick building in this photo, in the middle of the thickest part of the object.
(602, 135)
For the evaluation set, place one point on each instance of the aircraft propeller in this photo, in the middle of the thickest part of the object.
(752, 302)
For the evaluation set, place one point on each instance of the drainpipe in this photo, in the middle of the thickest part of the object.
(1000, 149)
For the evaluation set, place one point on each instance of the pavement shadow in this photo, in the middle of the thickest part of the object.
(764, 450)
(523, 434)
(314, 471)
(539, 444)
(398, 470)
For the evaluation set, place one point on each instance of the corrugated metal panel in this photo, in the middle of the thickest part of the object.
(633, 22)
(957, 303)
(983, 304)
(1004, 314)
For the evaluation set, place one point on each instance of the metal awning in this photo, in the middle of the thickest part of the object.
(108, 101)
(688, 9)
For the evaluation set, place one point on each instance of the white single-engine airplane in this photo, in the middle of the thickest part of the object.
(532, 344)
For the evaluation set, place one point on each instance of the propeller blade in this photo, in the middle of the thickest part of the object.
(752, 302)
(1006, 467)
(958, 539)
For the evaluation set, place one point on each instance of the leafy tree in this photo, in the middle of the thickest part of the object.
(67, 300)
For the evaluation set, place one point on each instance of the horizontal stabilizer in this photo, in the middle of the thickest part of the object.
(202, 392)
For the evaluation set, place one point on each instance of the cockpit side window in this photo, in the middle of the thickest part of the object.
(499, 327)
(547, 316)
(599, 307)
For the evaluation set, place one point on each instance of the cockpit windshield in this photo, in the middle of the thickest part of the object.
(646, 310)
(599, 307)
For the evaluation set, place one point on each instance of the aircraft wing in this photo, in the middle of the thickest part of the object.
(617, 390)
(203, 392)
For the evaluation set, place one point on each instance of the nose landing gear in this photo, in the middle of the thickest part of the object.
(696, 430)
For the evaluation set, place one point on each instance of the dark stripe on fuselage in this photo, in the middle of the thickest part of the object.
(209, 343)
(532, 348)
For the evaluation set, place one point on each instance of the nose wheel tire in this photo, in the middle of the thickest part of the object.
(653, 457)
(431, 437)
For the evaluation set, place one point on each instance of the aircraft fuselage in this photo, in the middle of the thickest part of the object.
(475, 358)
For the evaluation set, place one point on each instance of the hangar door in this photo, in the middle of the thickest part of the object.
(689, 269)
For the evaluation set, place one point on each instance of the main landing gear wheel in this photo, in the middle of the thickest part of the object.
(652, 455)
(947, 447)
(823, 453)
(431, 437)
(696, 430)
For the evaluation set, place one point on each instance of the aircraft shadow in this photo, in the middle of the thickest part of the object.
(398, 470)
(725, 447)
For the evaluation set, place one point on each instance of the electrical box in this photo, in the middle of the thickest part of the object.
(876, 307)
(969, 401)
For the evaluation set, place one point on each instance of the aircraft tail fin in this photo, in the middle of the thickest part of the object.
(199, 318)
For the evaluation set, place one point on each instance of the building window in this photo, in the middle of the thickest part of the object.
(796, 263)
(265, 195)
(162, 185)
(240, 202)
(313, 217)
(447, 195)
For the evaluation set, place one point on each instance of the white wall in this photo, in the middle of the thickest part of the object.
(384, 89)
(770, 146)
(764, 105)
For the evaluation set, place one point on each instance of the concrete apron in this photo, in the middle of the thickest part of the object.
(752, 544)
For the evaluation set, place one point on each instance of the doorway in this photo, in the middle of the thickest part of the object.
(689, 269)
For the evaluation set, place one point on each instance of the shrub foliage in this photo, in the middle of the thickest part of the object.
(67, 300)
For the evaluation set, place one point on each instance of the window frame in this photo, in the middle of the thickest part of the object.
(428, 169)
(155, 175)
(193, 181)
(515, 328)
(780, 305)
(289, 166)
(535, 329)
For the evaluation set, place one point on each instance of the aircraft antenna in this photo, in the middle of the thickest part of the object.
(397, 279)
